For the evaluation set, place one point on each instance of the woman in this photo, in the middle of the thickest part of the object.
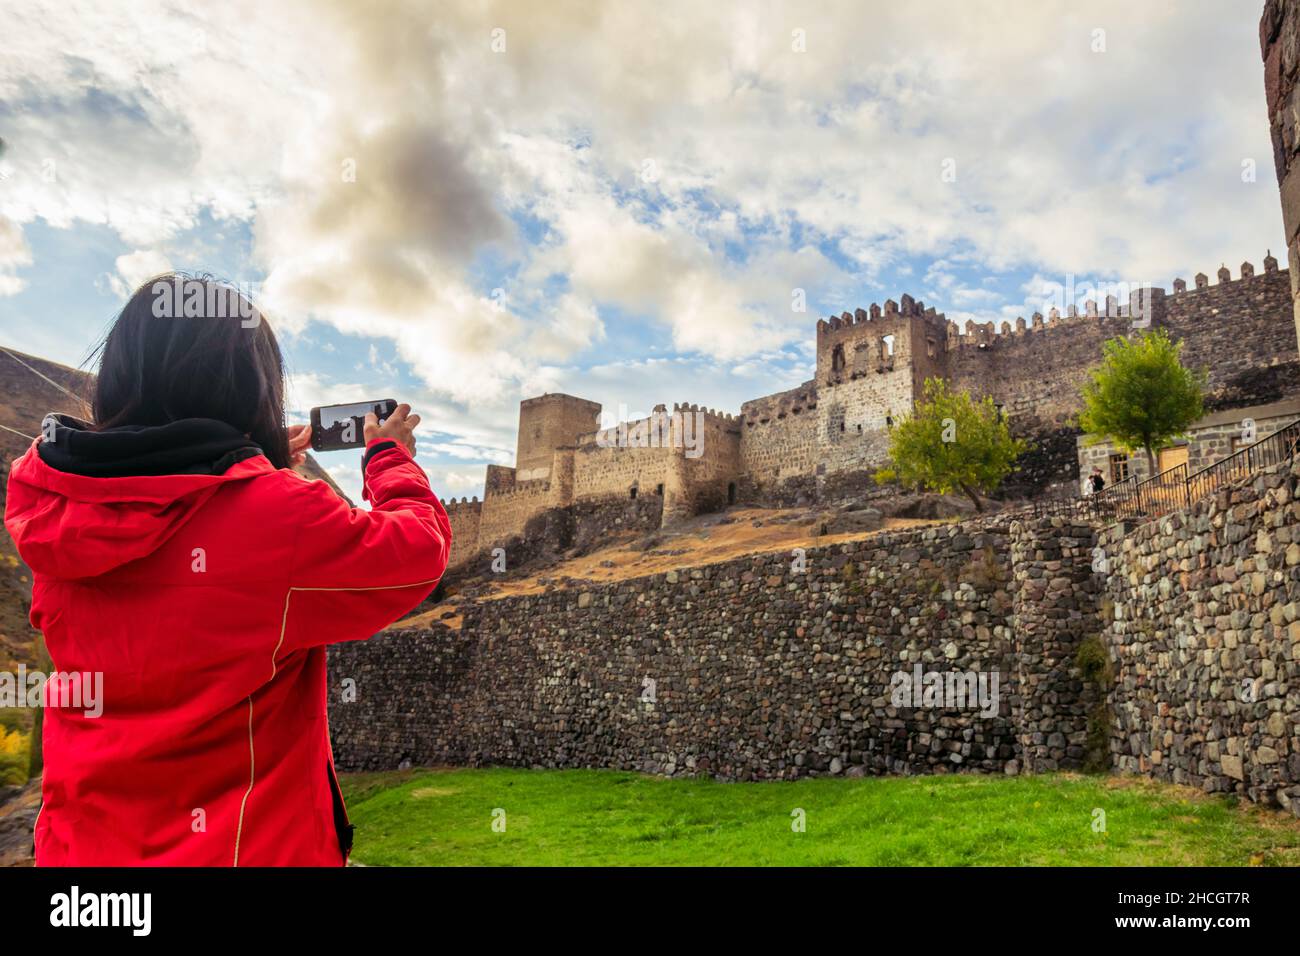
(177, 554)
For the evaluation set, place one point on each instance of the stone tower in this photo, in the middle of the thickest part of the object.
(1279, 39)
(871, 369)
(546, 424)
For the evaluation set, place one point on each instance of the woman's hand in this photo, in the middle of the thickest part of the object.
(398, 427)
(299, 442)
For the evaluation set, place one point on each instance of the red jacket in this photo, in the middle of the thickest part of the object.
(203, 584)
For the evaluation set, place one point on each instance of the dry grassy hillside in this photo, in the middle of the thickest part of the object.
(27, 395)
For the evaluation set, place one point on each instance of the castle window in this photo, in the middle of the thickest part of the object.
(886, 346)
(731, 493)
(837, 360)
(841, 426)
(632, 492)
(999, 408)
(659, 490)
(1118, 468)
(889, 421)
(930, 347)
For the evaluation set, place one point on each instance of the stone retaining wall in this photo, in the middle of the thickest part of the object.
(766, 667)
(1203, 612)
(1055, 611)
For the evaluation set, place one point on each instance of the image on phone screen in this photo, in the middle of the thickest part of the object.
(337, 427)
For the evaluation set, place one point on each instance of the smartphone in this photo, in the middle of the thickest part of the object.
(335, 427)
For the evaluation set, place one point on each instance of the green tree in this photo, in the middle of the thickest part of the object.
(1141, 396)
(953, 443)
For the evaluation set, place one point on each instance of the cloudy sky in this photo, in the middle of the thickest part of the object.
(465, 204)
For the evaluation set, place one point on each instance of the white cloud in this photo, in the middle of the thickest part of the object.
(136, 267)
(462, 480)
(386, 156)
(14, 253)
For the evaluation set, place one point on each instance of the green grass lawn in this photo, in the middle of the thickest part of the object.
(607, 817)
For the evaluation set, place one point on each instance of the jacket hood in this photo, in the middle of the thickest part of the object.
(81, 502)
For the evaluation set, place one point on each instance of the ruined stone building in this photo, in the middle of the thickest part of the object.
(872, 364)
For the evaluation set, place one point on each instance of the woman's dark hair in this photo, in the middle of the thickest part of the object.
(192, 347)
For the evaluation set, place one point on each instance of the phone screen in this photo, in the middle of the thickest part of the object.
(335, 427)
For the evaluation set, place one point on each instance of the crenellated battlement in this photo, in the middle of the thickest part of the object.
(891, 311)
(796, 401)
(692, 408)
(982, 334)
(658, 421)
(463, 506)
(1201, 282)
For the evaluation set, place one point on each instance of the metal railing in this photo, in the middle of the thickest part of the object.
(1174, 489)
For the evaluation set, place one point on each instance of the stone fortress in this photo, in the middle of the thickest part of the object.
(1168, 648)
(828, 434)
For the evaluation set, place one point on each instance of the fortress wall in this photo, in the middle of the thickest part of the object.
(1232, 328)
(778, 436)
(862, 405)
(852, 426)
(867, 339)
(410, 688)
(557, 533)
(594, 521)
(504, 513)
(1204, 642)
(711, 478)
(500, 479)
(872, 382)
(623, 462)
(1036, 375)
(780, 448)
(612, 472)
(1237, 329)
(1054, 612)
(464, 517)
(780, 403)
(838, 423)
(928, 342)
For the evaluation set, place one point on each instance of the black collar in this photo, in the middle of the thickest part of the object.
(189, 446)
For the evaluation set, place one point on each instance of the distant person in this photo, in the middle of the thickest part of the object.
(177, 555)
(1096, 481)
